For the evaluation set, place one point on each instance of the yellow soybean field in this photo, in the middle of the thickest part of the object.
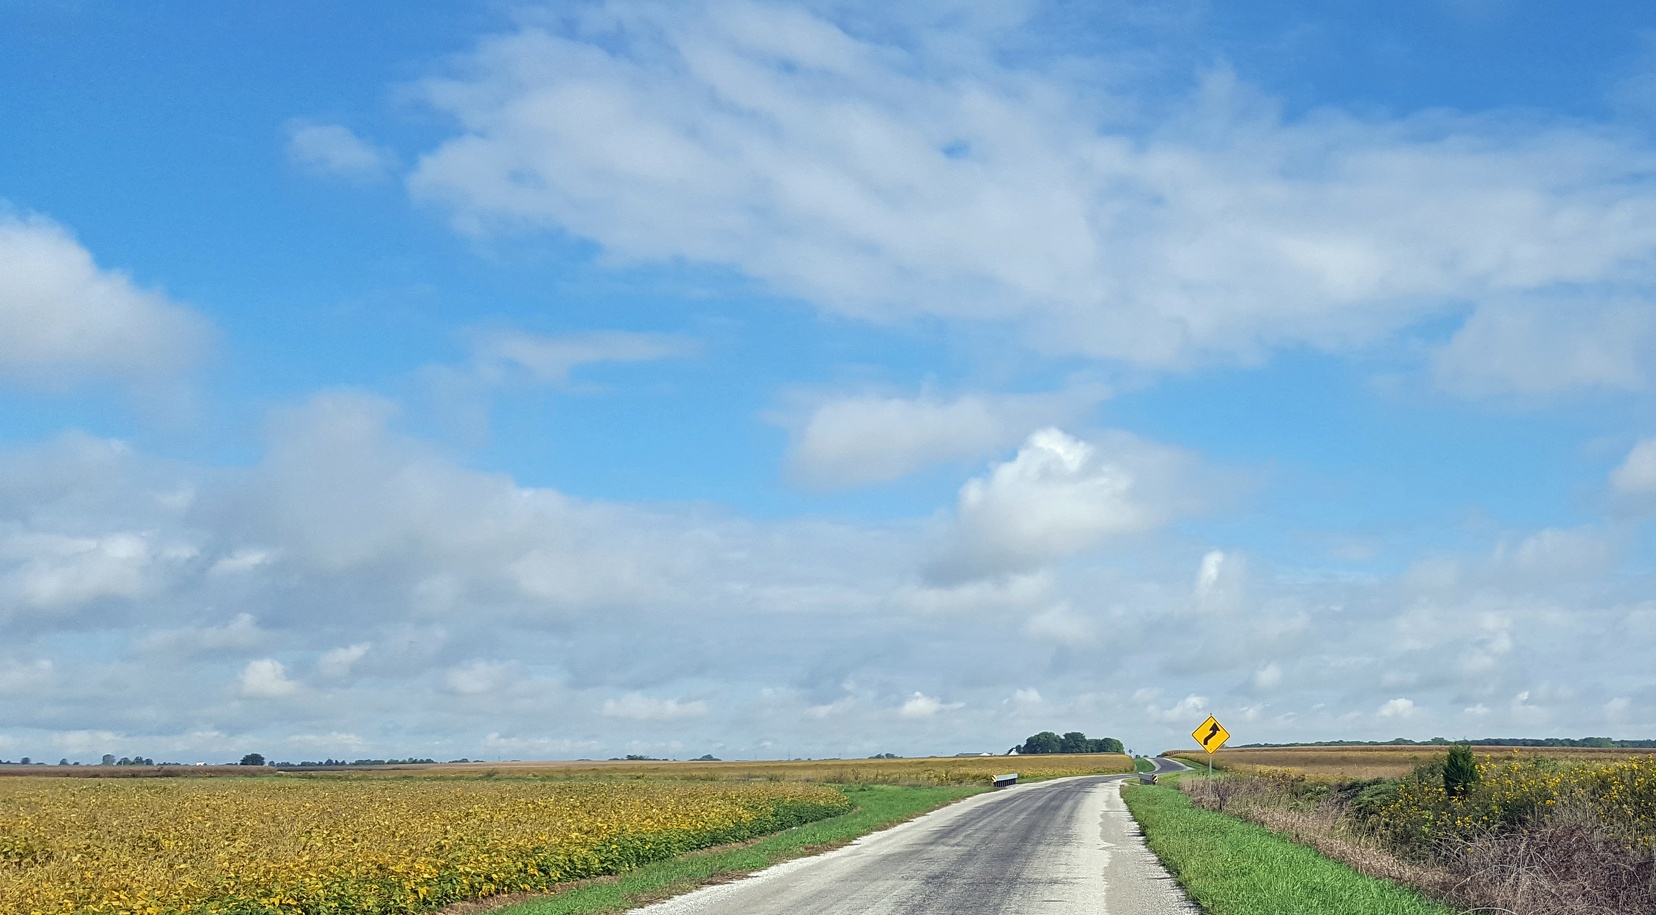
(353, 846)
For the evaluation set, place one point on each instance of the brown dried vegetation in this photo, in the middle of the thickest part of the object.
(1571, 856)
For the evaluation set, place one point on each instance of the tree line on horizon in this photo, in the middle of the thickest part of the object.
(1072, 742)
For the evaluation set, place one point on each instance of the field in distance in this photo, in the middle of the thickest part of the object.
(936, 770)
(1340, 763)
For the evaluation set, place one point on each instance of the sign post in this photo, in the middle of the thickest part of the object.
(1211, 735)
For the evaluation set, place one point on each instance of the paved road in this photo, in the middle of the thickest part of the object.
(1059, 847)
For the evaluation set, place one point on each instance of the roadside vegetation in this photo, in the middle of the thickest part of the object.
(877, 807)
(1346, 762)
(1231, 867)
(1510, 832)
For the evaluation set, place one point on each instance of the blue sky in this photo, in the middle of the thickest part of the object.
(584, 379)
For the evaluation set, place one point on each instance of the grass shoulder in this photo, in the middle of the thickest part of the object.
(1231, 867)
(877, 807)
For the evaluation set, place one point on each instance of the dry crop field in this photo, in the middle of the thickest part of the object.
(1354, 763)
(353, 846)
(940, 770)
(375, 841)
(945, 770)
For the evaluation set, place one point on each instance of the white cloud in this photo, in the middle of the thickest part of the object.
(239, 634)
(921, 705)
(1556, 551)
(1636, 475)
(20, 677)
(1219, 580)
(1268, 677)
(335, 740)
(870, 438)
(476, 678)
(266, 679)
(548, 359)
(1188, 711)
(894, 183)
(639, 707)
(1059, 496)
(333, 149)
(385, 541)
(1061, 624)
(64, 320)
(242, 560)
(1397, 708)
(841, 706)
(1542, 348)
(337, 662)
(1008, 594)
(52, 570)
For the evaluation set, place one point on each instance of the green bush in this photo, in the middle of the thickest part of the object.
(1459, 770)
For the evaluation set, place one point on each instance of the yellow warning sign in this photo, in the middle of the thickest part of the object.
(1211, 735)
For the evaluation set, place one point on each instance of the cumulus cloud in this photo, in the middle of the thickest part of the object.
(266, 678)
(1192, 708)
(893, 182)
(639, 707)
(474, 678)
(245, 559)
(1061, 624)
(1059, 496)
(1557, 551)
(1541, 348)
(17, 677)
(240, 634)
(871, 438)
(53, 570)
(1636, 475)
(64, 320)
(1219, 581)
(921, 705)
(333, 149)
(1397, 708)
(338, 662)
(1268, 677)
(590, 617)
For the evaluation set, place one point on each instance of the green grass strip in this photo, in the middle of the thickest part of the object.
(878, 806)
(1231, 867)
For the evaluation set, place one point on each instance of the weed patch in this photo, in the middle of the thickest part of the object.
(1232, 867)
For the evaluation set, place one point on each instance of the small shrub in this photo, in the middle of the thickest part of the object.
(1459, 770)
(1368, 798)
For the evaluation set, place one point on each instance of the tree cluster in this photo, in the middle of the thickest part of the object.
(1073, 742)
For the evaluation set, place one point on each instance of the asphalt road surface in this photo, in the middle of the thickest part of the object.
(1058, 847)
